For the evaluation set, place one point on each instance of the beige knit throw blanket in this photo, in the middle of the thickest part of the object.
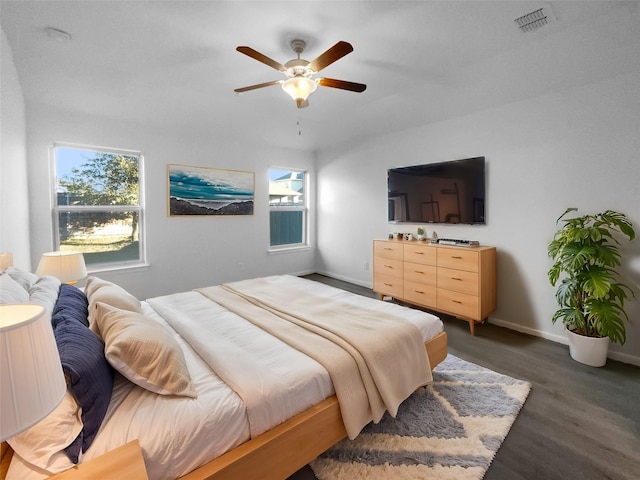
(375, 360)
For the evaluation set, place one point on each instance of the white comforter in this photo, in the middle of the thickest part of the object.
(365, 353)
(179, 434)
(275, 381)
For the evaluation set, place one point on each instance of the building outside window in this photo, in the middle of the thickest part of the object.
(98, 205)
(288, 209)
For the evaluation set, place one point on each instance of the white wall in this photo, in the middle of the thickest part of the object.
(183, 252)
(574, 148)
(14, 193)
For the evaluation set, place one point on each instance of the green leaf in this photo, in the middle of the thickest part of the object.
(609, 320)
(554, 273)
(576, 256)
(607, 255)
(565, 212)
(597, 282)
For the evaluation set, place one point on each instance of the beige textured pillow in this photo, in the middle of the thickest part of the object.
(99, 290)
(143, 351)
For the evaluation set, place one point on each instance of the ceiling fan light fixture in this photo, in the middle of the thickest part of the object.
(299, 88)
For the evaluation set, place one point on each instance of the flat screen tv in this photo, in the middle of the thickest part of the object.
(447, 192)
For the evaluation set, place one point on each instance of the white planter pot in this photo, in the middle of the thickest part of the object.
(591, 351)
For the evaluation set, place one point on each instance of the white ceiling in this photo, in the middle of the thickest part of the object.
(165, 63)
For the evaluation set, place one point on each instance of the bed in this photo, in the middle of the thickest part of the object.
(264, 414)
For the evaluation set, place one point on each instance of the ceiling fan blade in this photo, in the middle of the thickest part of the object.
(336, 52)
(342, 84)
(261, 58)
(259, 85)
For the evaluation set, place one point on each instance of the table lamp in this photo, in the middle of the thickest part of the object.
(6, 260)
(32, 383)
(69, 267)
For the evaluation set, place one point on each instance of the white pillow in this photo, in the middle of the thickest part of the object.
(38, 444)
(144, 351)
(11, 291)
(17, 286)
(20, 469)
(26, 279)
(45, 292)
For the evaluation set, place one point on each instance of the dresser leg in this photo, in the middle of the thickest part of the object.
(472, 327)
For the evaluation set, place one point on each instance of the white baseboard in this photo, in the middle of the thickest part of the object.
(621, 357)
(346, 279)
(530, 331)
(302, 273)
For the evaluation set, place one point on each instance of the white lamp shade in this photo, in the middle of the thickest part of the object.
(299, 88)
(67, 266)
(32, 383)
(6, 260)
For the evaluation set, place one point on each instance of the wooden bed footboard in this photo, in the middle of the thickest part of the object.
(283, 450)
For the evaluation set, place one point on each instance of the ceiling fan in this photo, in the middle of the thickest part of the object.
(299, 71)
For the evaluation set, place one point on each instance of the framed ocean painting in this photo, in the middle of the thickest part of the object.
(209, 191)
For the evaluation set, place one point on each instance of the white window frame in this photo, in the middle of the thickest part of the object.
(139, 209)
(304, 208)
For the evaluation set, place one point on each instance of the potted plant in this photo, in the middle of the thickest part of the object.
(421, 233)
(591, 296)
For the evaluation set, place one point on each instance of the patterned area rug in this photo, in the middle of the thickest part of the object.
(450, 430)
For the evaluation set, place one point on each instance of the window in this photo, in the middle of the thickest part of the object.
(98, 207)
(287, 208)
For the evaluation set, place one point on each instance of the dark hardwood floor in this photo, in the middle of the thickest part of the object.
(578, 422)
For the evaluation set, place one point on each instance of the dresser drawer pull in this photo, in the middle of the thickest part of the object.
(456, 278)
(419, 291)
(456, 257)
(388, 284)
(388, 266)
(418, 271)
(419, 253)
(388, 248)
(456, 301)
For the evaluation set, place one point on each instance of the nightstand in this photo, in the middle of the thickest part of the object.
(123, 462)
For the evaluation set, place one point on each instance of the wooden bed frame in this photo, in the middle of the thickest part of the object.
(283, 450)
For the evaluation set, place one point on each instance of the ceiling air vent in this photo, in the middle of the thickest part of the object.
(535, 19)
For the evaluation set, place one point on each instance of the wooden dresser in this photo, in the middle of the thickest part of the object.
(459, 281)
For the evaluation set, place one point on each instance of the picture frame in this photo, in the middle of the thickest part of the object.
(205, 191)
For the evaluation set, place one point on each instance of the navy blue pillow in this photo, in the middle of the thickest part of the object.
(71, 304)
(88, 374)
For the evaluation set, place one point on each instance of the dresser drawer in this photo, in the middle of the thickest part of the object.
(458, 280)
(388, 285)
(421, 274)
(457, 303)
(391, 250)
(459, 258)
(388, 267)
(420, 293)
(417, 253)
